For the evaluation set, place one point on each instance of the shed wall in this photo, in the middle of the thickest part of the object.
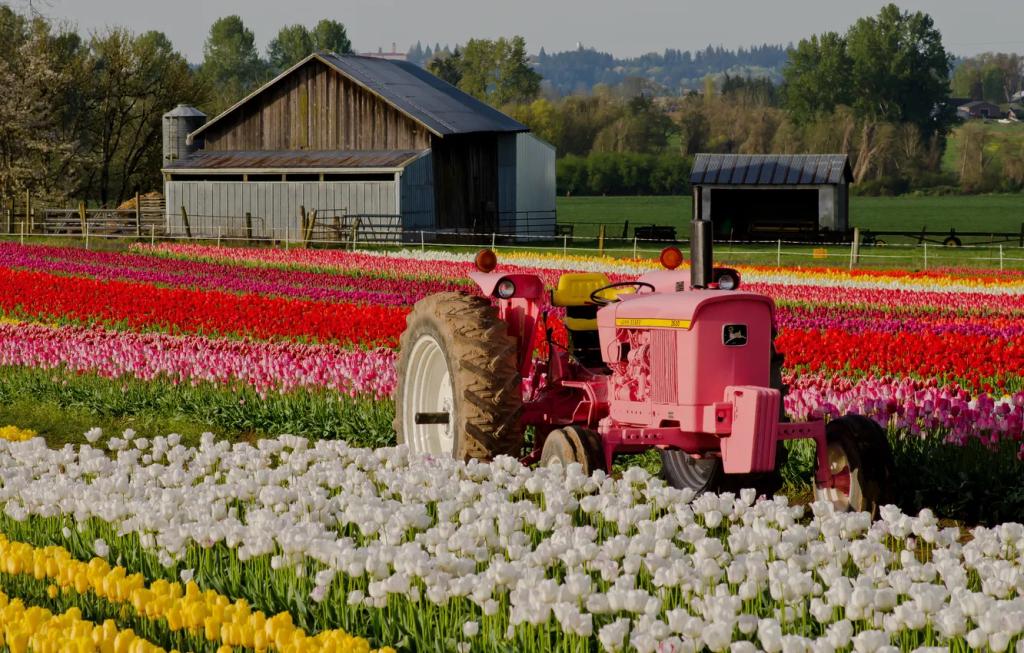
(218, 208)
(316, 108)
(417, 195)
(535, 186)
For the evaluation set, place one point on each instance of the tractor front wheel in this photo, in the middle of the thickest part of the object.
(861, 463)
(458, 388)
(683, 471)
(573, 445)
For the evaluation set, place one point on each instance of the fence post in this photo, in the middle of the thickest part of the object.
(81, 215)
(1000, 256)
(152, 235)
(600, 241)
(219, 230)
(248, 226)
(778, 254)
(565, 245)
(494, 239)
(87, 235)
(22, 232)
(634, 247)
(355, 233)
(423, 242)
(28, 211)
(855, 248)
(184, 221)
(138, 216)
(10, 221)
(926, 256)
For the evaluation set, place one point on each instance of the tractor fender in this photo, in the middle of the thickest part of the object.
(528, 286)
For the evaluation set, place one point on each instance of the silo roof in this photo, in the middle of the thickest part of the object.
(770, 169)
(184, 111)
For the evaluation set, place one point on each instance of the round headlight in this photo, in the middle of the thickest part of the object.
(727, 282)
(505, 289)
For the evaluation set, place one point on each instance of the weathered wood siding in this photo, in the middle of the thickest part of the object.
(417, 196)
(218, 208)
(316, 108)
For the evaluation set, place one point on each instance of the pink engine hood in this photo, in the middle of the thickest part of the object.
(682, 306)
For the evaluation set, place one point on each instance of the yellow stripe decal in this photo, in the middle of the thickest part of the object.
(651, 323)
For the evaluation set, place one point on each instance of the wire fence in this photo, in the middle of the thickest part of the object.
(764, 252)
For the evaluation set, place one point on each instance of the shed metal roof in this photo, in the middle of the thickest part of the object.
(295, 160)
(770, 169)
(437, 105)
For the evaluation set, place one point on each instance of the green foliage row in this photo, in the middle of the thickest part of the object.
(623, 173)
(237, 411)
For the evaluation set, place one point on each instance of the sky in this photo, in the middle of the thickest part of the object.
(625, 28)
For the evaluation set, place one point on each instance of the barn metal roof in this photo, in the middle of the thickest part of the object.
(441, 107)
(770, 169)
(430, 101)
(319, 160)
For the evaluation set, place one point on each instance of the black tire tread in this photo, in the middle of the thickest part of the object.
(483, 362)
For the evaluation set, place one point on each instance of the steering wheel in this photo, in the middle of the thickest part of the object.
(596, 297)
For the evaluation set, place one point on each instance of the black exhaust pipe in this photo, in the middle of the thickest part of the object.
(700, 253)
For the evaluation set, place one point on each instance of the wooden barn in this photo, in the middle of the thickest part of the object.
(754, 196)
(357, 140)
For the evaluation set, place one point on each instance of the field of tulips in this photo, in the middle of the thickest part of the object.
(250, 540)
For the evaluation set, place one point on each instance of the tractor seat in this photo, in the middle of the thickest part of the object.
(573, 293)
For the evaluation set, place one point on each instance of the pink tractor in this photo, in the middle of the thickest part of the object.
(684, 363)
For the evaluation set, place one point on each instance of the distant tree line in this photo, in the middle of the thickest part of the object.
(80, 116)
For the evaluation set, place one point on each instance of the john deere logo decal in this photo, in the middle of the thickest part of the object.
(734, 335)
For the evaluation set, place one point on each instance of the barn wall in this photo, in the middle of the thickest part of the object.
(218, 208)
(316, 108)
(417, 195)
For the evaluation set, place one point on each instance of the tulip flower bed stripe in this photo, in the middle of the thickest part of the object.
(202, 614)
(177, 310)
(339, 286)
(502, 557)
(32, 628)
(192, 360)
(457, 263)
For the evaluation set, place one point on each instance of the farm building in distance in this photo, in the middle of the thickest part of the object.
(359, 140)
(752, 196)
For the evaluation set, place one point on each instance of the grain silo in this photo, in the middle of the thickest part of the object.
(178, 124)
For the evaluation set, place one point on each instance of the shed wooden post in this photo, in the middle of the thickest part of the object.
(184, 221)
(138, 216)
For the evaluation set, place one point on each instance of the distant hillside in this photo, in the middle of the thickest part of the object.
(675, 71)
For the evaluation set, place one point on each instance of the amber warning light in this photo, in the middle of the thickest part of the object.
(671, 258)
(486, 260)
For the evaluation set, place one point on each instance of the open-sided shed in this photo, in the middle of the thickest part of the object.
(751, 196)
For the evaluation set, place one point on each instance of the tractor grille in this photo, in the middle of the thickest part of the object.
(663, 367)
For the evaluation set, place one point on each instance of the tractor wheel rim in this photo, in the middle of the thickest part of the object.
(429, 390)
(845, 491)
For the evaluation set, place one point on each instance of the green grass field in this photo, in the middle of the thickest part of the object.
(904, 213)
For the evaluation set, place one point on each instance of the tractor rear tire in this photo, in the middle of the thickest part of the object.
(456, 359)
(706, 474)
(573, 445)
(860, 454)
